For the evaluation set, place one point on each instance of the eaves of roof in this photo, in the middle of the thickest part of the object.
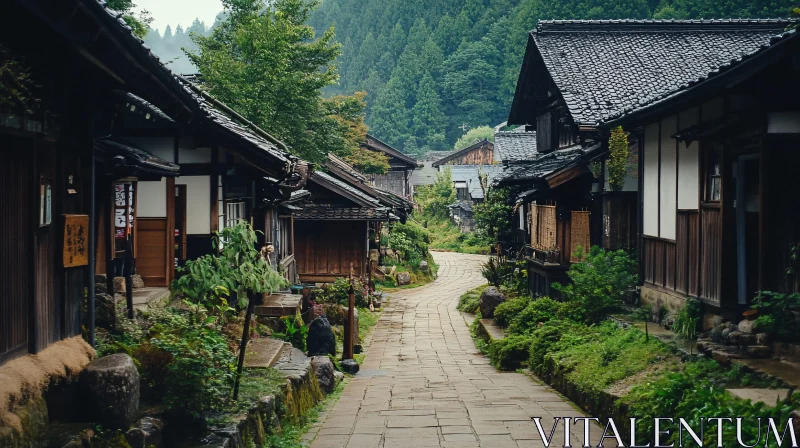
(344, 189)
(386, 149)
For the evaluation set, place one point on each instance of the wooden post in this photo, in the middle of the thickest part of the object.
(128, 272)
(251, 303)
(347, 350)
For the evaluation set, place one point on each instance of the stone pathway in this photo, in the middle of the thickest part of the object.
(424, 384)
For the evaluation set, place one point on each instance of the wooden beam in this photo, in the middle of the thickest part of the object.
(214, 189)
(566, 175)
(169, 255)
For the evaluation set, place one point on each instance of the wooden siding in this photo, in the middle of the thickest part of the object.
(482, 155)
(619, 221)
(47, 277)
(688, 254)
(393, 182)
(151, 246)
(325, 249)
(711, 253)
(16, 203)
(544, 132)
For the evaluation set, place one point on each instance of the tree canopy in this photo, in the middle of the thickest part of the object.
(473, 136)
(265, 62)
(472, 51)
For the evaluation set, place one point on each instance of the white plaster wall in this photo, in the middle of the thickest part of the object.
(688, 165)
(669, 178)
(198, 204)
(152, 199)
(650, 181)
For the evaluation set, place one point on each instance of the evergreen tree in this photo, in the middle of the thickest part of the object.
(427, 119)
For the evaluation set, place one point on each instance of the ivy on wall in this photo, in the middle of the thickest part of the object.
(16, 84)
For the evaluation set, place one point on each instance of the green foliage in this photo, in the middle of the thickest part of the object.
(505, 313)
(139, 22)
(537, 312)
(434, 199)
(264, 61)
(599, 282)
(411, 240)
(687, 319)
(238, 267)
(472, 50)
(201, 370)
(765, 324)
(779, 307)
(617, 164)
(469, 302)
(294, 331)
(473, 136)
(696, 390)
(339, 292)
(493, 215)
(509, 353)
(493, 272)
(16, 84)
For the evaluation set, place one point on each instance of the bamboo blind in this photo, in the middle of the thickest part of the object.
(579, 229)
(543, 227)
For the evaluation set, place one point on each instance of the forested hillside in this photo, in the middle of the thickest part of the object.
(168, 46)
(429, 67)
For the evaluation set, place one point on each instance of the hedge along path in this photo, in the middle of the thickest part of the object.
(424, 384)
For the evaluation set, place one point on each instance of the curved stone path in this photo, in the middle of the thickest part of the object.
(424, 384)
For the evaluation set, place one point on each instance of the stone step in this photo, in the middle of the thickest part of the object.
(279, 305)
(262, 353)
(492, 331)
(767, 396)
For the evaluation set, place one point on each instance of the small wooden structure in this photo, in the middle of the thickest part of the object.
(397, 179)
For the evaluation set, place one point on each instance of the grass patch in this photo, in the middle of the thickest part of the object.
(292, 434)
(446, 236)
(469, 302)
(256, 383)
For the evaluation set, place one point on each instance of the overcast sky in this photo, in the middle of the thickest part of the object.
(183, 12)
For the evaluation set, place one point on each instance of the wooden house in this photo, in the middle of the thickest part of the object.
(338, 226)
(398, 179)
(479, 153)
(110, 125)
(719, 205)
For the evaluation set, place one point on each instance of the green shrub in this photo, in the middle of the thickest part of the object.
(765, 324)
(541, 310)
(599, 282)
(201, 370)
(339, 292)
(470, 301)
(508, 310)
(687, 319)
(493, 272)
(780, 307)
(509, 353)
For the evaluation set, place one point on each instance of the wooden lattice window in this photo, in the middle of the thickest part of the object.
(543, 227)
(579, 234)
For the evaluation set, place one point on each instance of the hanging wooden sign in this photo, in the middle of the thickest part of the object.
(76, 240)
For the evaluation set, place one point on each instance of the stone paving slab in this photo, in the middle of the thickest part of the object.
(424, 384)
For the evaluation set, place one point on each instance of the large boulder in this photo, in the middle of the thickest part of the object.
(746, 326)
(423, 266)
(110, 390)
(323, 369)
(138, 281)
(119, 285)
(403, 278)
(145, 433)
(489, 301)
(107, 308)
(350, 366)
(320, 339)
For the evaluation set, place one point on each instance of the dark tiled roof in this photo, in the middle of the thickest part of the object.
(724, 68)
(432, 156)
(378, 145)
(514, 146)
(534, 170)
(471, 175)
(343, 213)
(345, 186)
(602, 68)
(134, 100)
(464, 205)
